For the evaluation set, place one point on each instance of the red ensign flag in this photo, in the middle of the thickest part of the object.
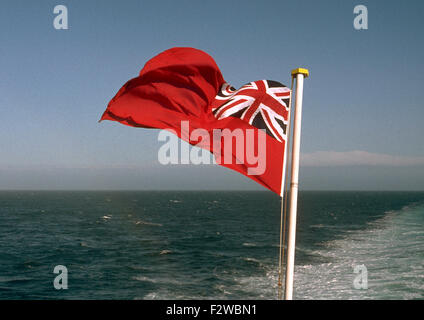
(182, 90)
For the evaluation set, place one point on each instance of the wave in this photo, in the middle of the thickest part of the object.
(14, 279)
(249, 244)
(248, 259)
(144, 279)
(390, 248)
(148, 223)
(158, 280)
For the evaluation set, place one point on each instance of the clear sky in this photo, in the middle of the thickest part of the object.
(363, 104)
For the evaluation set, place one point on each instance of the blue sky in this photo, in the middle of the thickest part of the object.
(363, 111)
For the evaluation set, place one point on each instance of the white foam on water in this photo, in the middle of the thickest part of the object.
(249, 244)
(141, 222)
(145, 279)
(160, 280)
(165, 294)
(252, 260)
(391, 248)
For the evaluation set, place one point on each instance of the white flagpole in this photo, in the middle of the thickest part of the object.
(299, 74)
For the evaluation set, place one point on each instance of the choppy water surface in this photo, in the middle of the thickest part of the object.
(208, 245)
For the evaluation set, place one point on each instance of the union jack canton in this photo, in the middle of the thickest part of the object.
(264, 104)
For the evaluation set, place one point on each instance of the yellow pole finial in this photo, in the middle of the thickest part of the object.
(303, 71)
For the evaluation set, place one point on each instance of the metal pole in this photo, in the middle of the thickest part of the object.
(300, 74)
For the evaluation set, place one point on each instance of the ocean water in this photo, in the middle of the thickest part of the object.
(208, 245)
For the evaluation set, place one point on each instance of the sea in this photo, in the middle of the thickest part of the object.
(208, 245)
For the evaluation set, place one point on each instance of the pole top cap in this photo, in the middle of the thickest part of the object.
(303, 71)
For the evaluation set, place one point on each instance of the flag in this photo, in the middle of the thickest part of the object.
(183, 91)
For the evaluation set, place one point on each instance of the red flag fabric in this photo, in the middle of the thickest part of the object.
(182, 90)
